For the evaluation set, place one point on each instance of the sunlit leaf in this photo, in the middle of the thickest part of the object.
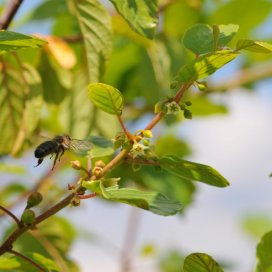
(201, 262)
(95, 24)
(254, 46)
(192, 171)
(226, 34)
(20, 102)
(7, 264)
(264, 253)
(12, 41)
(14, 169)
(106, 97)
(142, 15)
(204, 66)
(45, 262)
(154, 202)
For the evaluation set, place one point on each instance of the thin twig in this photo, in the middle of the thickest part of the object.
(123, 126)
(9, 13)
(14, 217)
(18, 254)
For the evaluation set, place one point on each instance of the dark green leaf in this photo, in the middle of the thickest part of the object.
(192, 171)
(200, 262)
(199, 39)
(106, 97)
(254, 46)
(95, 24)
(204, 66)
(12, 41)
(154, 202)
(264, 253)
(142, 15)
(55, 80)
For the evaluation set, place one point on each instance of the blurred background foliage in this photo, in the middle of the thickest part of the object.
(51, 98)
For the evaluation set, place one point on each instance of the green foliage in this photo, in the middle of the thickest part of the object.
(95, 25)
(142, 15)
(204, 66)
(254, 46)
(106, 97)
(8, 264)
(20, 101)
(192, 171)
(264, 253)
(39, 92)
(200, 262)
(13, 41)
(154, 202)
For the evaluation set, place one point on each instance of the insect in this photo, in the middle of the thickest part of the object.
(58, 145)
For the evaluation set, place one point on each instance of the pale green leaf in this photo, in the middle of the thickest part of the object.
(264, 253)
(45, 262)
(95, 25)
(12, 41)
(201, 262)
(226, 34)
(192, 171)
(14, 169)
(142, 15)
(101, 147)
(254, 46)
(152, 201)
(204, 66)
(106, 97)
(7, 264)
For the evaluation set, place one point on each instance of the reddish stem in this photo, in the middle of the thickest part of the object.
(11, 215)
(123, 126)
(87, 196)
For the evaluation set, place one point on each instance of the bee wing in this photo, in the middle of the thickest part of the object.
(80, 145)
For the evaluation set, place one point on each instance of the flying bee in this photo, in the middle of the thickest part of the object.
(58, 145)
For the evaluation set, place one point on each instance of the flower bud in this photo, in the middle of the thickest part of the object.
(28, 217)
(76, 165)
(34, 199)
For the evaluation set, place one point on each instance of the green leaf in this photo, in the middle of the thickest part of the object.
(264, 253)
(11, 192)
(201, 262)
(9, 263)
(199, 39)
(106, 97)
(101, 147)
(254, 46)
(12, 41)
(95, 25)
(192, 171)
(154, 202)
(48, 9)
(14, 169)
(55, 80)
(20, 102)
(204, 66)
(45, 262)
(142, 15)
(226, 34)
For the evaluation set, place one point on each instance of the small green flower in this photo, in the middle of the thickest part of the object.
(138, 150)
(173, 108)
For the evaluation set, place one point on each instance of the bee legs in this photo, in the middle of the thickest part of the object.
(59, 153)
